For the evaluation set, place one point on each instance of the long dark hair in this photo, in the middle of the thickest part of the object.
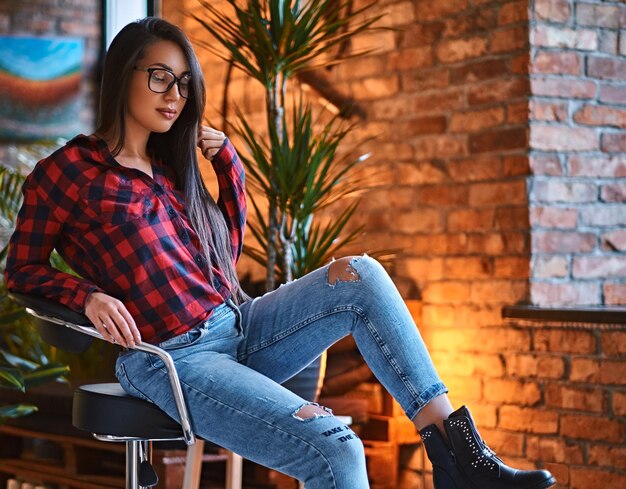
(176, 147)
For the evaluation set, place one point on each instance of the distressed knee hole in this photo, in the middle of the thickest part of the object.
(312, 411)
(342, 271)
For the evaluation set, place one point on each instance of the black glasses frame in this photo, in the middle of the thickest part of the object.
(176, 80)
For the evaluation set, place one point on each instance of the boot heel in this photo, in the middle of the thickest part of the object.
(442, 480)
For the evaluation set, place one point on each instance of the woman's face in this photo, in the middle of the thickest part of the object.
(150, 111)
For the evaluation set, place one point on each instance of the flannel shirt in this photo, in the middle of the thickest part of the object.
(126, 234)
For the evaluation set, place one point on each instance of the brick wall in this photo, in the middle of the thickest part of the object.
(578, 152)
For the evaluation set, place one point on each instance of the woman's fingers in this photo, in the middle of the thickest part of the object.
(112, 320)
(210, 141)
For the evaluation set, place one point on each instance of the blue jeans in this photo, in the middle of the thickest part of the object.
(231, 367)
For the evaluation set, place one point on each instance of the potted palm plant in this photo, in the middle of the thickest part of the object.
(295, 169)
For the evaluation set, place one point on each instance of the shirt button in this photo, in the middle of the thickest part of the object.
(171, 212)
(184, 236)
(199, 259)
(157, 188)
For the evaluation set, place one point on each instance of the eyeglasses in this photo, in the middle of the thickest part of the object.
(161, 80)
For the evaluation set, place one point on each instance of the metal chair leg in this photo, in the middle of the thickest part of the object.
(193, 465)
(132, 464)
(234, 471)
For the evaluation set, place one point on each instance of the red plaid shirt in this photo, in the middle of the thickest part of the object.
(124, 233)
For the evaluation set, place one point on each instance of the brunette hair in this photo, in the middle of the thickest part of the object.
(176, 147)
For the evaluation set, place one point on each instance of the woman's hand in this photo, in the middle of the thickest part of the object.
(112, 319)
(210, 141)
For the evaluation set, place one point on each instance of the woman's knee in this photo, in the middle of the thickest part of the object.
(346, 269)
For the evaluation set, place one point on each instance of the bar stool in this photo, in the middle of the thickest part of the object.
(112, 415)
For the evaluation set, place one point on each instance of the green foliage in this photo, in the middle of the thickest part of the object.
(296, 170)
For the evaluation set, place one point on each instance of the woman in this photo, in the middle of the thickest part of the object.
(128, 210)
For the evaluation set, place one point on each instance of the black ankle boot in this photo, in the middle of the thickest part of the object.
(466, 462)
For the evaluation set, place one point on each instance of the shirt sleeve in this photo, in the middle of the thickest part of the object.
(38, 227)
(232, 194)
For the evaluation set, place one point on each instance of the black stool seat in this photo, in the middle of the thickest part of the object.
(107, 409)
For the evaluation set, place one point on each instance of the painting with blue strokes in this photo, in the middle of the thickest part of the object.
(40, 80)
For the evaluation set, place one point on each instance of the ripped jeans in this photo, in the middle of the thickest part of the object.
(232, 365)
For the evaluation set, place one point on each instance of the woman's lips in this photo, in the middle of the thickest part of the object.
(168, 114)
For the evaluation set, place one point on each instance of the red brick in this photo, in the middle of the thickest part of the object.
(548, 111)
(439, 146)
(564, 294)
(498, 340)
(542, 366)
(478, 71)
(504, 391)
(517, 113)
(554, 190)
(453, 50)
(561, 340)
(594, 115)
(613, 192)
(378, 42)
(427, 10)
(448, 292)
(422, 125)
(619, 403)
(470, 219)
(503, 443)
(592, 428)
(553, 217)
(558, 37)
(511, 217)
(614, 240)
(550, 266)
(515, 165)
(443, 100)
(495, 193)
(476, 120)
(612, 94)
(565, 397)
(509, 39)
(549, 62)
(560, 473)
(528, 420)
(498, 91)
(362, 67)
(594, 166)
(562, 138)
(551, 449)
(562, 88)
(511, 267)
(520, 64)
(476, 169)
(601, 372)
(400, 13)
(552, 10)
(419, 220)
(411, 58)
(512, 13)
(613, 343)
(476, 20)
(420, 80)
(497, 243)
(606, 68)
(615, 294)
(607, 456)
(417, 34)
(498, 140)
(603, 215)
(468, 267)
(545, 165)
(597, 15)
(582, 478)
(499, 291)
(614, 143)
(563, 242)
(376, 88)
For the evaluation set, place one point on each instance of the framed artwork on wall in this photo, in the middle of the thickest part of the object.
(40, 82)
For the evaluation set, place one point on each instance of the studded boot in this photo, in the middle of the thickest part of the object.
(466, 462)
